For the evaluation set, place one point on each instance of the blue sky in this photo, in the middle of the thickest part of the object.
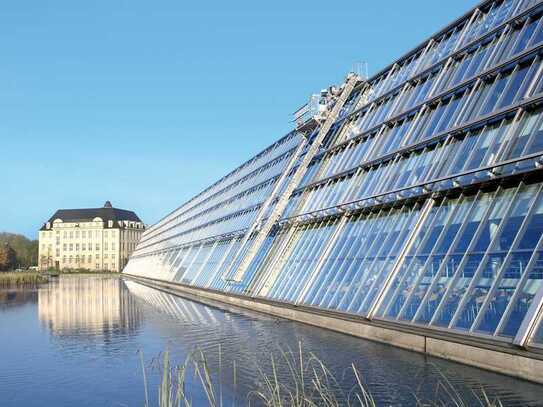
(146, 103)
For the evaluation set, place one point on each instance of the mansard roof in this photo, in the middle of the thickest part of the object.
(106, 213)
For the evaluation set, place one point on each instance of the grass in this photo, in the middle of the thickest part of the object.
(22, 278)
(308, 383)
(30, 278)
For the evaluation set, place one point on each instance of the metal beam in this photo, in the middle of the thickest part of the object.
(282, 203)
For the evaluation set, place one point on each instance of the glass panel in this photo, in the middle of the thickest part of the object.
(529, 137)
(514, 85)
(443, 267)
(460, 266)
(500, 234)
(525, 36)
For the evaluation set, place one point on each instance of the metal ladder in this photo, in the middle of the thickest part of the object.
(282, 203)
(264, 208)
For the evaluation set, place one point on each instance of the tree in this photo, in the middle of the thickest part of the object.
(26, 250)
(8, 257)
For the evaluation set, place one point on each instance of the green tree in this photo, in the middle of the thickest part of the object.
(8, 258)
(26, 250)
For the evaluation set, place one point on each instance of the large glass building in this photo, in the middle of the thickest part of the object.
(414, 197)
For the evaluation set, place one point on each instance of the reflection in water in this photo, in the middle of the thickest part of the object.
(77, 346)
(10, 297)
(249, 339)
(94, 305)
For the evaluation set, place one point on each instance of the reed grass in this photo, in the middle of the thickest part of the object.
(23, 278)
(309, 383)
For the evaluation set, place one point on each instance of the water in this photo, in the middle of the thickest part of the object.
(75, 342)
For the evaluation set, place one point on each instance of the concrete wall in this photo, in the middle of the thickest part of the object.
(499, 358)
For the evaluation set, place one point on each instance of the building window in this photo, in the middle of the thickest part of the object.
(83, 246)
(77, 233)
(83, 234)
(105, 246)
(105, 266)
(77, 247)
(65, 234)
(97, 266)
(97, 257)
(65, 246)
(97, 246)
(70, 259)
(71, 247)
(58, 252)
(89, 259)
(71, 235)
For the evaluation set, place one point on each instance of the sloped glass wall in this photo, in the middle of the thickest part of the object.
(423, 206)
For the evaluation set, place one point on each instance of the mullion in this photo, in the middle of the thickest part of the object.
(304, 253)
(304, 240)
(505, 212)
(373, 222)
(491, 203)
(409, 217)
(421, 273)
(281, 247)
(378, 223)
(313, 257)
(507, 260)
(282, 256)
(369, 260)
(289, 276)
(400, 216)
(410, 260)
(465, 210)
(329, 267)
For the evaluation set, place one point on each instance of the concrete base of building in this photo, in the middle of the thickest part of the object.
(501, 358)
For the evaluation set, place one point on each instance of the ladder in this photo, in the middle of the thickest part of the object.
(282, 203)
(264, 208)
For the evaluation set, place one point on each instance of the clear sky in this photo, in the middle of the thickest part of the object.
(145, 103)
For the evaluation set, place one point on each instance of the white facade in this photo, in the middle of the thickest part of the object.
(93, 244)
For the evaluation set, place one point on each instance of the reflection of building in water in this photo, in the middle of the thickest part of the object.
(177, 307)
(186, 310)
(94, 305)
(17, 296)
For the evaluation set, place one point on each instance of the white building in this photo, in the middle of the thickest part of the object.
(93, 238)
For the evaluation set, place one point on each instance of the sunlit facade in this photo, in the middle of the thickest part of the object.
(420, 202)
(98, 239)
(94, 306)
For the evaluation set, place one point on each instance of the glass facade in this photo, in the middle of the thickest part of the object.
(423, 205)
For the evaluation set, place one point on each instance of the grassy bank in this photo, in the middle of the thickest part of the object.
(14, 279)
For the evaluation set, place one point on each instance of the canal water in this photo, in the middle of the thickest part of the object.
(76, 341)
